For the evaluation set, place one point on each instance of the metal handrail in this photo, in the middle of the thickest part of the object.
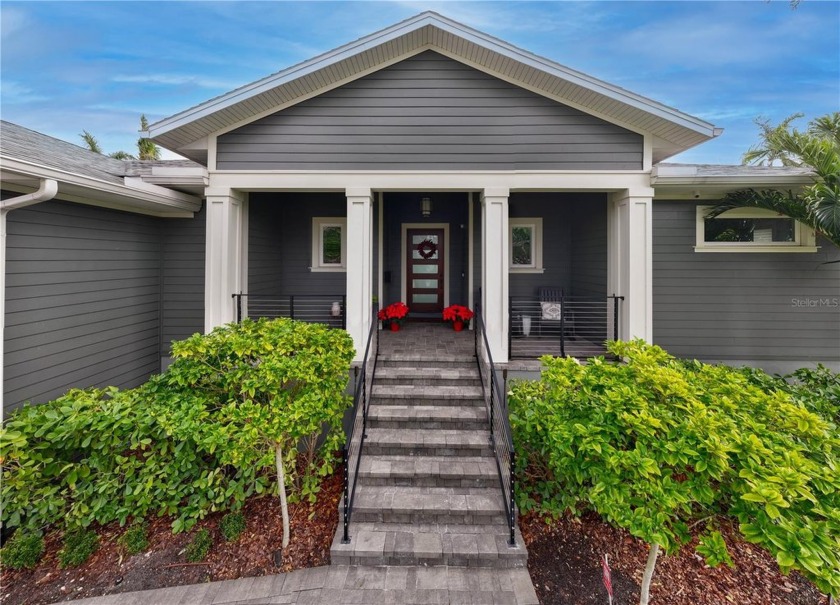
(304, 307)
(582, 328)
(361, 402)
(501, 436)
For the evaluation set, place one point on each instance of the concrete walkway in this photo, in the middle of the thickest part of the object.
(340, 584)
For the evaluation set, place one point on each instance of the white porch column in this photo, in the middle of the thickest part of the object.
(359, 266)
(223, 275)
(495, 269)
(630, 260)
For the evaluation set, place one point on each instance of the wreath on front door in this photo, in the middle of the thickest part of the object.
(427, 249)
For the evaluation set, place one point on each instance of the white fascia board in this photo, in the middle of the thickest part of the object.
(433, 19)
(420, 180)
(287, 75)
(745, 181)
(165, 199)
(576, 77)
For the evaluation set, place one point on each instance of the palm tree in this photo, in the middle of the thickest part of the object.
(818, 205)
(147, 148)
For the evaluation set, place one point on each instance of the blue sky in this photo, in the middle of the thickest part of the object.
(69, 66)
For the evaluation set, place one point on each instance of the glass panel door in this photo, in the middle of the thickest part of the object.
(425, 270)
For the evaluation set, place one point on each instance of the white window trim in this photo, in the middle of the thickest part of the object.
(318, 224)
(537, 245)
(804, 236)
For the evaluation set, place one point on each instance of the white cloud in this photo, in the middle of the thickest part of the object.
(176, 80)
(14, 92)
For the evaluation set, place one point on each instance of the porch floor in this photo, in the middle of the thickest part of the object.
(422, 340)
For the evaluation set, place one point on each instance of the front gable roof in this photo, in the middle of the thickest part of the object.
(672, 131)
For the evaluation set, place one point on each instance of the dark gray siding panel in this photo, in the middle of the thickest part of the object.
(280, 243)
(82, 300)
(589, 247)
(574, 243)
(554, 208)
(429, 112)
(740, 306)
(182, 278)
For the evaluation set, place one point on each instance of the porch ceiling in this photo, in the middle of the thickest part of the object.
(671, 131)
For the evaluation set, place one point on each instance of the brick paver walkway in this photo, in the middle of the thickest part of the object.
(340, 584)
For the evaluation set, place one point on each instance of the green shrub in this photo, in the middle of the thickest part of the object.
(188, 442)
(23, 550)
(232, 526)
(200, 545)
(79, 545)
(100, 455)
(655, 444)
(818, 389)
(136, 538)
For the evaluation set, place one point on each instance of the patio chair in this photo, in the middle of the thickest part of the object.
(551, 308)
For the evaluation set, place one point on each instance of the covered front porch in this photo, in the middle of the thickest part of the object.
(552, 270)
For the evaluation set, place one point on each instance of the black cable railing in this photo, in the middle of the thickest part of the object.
(501, 437)
(352, 450)
(315, 308)
(571, 325)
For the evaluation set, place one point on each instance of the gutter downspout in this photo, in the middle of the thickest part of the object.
(47, 190)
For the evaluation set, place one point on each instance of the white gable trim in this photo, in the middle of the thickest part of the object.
(429, 31)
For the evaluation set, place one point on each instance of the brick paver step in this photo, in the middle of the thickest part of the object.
(447, 505)
(425, 360)
(429, 471)
(426, 442)
(395, 394)
(444, 375)
(427, 417)
(430, 545)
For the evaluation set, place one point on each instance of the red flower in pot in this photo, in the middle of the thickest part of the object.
(458, 315)
(393, 315)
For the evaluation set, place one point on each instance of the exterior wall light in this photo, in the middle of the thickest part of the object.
(426, 207)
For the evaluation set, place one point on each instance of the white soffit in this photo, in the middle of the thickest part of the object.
(673, 131)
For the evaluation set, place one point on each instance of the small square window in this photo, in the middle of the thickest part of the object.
(751, 230)
(329, 245)
(526, 245)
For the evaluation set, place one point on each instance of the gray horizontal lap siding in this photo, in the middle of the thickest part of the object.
(740, 305)
(82, 300)
(429, 112)
(182, 279)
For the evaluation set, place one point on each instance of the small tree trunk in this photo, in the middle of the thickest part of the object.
(649, 566)
(281, 491)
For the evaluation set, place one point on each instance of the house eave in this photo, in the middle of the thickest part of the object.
(133, 195)
(430, 31)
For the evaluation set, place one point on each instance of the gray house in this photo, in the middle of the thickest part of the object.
(428, 163)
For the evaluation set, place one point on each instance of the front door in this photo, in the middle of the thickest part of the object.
(425, 270)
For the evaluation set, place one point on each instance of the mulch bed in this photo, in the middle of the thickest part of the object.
(564, 559)
(108, 571)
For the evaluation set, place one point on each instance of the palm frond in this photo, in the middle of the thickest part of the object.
(121, 155)
(824, 202)
(91, 142)
(782, 202)
(826, 127)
